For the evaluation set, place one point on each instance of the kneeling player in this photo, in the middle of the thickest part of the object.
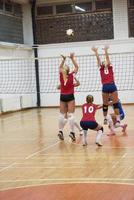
(88, 120)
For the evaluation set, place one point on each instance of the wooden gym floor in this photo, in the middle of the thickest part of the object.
(35, 165)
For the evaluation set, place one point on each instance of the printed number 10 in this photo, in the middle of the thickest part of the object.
(88, 109)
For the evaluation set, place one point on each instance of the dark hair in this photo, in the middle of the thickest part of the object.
(89, 99)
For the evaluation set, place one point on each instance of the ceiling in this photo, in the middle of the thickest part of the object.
(43, 1)
(53, 1)
(20, 1)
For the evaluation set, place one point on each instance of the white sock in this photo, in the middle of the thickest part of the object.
(99, 136)
(118, 118)
(62, 121)
(110, 122)
(118, 125)
(84, 136)
(71, 120)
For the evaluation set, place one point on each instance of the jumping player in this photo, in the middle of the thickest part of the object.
(76, 84)
(112, 120)
(88, 120)
(108, 85)
(67, 99)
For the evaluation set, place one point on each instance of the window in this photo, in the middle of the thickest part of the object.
(1, 4)
(103, 4)
(17, 9)
(8, 7)
(44, 10)
(66, 8)
(131, 17)
(131, 3)
(14, 9)
(90, 20)
(83, 7)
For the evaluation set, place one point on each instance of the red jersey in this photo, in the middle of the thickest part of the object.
(88, 110)
(107, 75)
(68, 86)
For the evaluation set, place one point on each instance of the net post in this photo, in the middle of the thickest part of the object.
(37, 74)
(35, 48)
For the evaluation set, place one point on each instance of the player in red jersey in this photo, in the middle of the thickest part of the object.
(67, 99)
(108, 85)
(76, 84)
(88, 120)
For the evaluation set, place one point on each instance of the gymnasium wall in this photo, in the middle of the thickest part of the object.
(11, 54)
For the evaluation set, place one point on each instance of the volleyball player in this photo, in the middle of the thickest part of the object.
(76, 84)
(88, 120)
(108, 85)
(67, 99)
(112, 120)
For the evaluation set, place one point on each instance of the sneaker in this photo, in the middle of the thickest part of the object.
(105, 121)
(111, 131)
(85, 143)
(72, 136)
(111, 134)
(117, 123)
(60, 135)
(124, 128)
(99, 144)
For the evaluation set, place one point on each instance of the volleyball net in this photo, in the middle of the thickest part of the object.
(18, 76)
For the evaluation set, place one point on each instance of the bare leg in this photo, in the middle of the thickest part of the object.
(115, 99)
(105, 97)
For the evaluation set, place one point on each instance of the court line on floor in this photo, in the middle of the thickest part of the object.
(50, 184)
(35, 153)
(18, 139)
(31, 155)
(119, 161)
(69, 179)
(8, 166)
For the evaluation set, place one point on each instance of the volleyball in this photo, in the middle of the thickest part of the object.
(70, 32)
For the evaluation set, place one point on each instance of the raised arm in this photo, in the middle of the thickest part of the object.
(76, 67)
(107, 55)
(62, 63)
(95, 50)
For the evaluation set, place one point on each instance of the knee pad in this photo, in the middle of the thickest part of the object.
(122, 116)
(62, 117)
(101, 129)
(105, 108)
(116, 105)
(71, 116)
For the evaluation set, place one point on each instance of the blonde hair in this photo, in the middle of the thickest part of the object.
(66, 68)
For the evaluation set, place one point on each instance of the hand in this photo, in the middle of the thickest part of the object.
(72, 55)
(64, 57)
(94, 49)
(106, 48)
(58, 87)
